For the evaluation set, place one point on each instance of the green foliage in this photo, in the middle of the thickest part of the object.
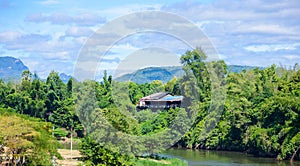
(137, 91)
(120, 121)
(59, 132)
(104, 92)
(26, 139)
(261, 113)
(51, 100)
(172, 87)
(145, 115)
(193, 61)
(98, 155)
(160, 122)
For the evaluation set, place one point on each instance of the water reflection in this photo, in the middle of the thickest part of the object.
(223, 158)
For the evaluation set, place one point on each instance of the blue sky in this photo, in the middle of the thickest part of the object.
(48, 34)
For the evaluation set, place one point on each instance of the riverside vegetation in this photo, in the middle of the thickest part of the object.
(260, 114)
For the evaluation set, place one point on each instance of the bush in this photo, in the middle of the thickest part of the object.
(59, 132)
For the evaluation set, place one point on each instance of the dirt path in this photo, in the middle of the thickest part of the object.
(67, 159)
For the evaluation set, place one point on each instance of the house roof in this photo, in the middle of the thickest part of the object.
(155, 96)
(171, 98)
(162, 96)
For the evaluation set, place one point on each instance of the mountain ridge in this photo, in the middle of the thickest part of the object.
(11, 68)
(149, 74)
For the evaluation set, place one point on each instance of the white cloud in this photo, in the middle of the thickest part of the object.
(125, 46)
(8, 36)
(79, 31)
(49, 2)
(274, 47)
(126, 9)
(43, 46)
(81, 40)
(121, 50)
(292, 57)
(250, 32)
(265, 29)
(14, 40)
(59, 18)
(140, 59)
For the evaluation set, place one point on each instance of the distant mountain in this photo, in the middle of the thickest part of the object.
(164, 74)
(240, 68)
(152, 73)
(11, 69)
(64, 77)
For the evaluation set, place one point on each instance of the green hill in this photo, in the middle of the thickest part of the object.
(164, 74)
(152, 73)
(239, 68)
(11, 68)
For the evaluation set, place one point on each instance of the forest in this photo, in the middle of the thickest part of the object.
(255, 111)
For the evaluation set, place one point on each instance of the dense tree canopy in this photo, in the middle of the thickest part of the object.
(25, 140)
(259, 115)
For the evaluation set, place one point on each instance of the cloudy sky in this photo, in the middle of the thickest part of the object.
(49, 34)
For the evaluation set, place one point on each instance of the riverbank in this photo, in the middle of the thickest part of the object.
(161, 162)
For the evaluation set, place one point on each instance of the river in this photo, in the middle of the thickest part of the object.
(223, 158)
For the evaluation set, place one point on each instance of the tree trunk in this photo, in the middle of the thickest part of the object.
(71, 143)
(293, 156)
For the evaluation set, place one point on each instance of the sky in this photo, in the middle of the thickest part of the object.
(50, 34)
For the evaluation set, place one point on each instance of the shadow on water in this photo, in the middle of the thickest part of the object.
(223, 158)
